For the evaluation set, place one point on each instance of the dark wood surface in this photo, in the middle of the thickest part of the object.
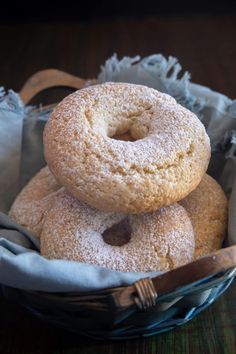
(206, 47)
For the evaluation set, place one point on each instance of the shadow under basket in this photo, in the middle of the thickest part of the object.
(147, 307)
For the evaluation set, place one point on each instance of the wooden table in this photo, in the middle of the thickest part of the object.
(206, 47)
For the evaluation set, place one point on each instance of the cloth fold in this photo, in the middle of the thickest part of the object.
(12, 114)
(22, 267)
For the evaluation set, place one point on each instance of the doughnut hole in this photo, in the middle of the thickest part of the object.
(125, 137)
(134, 129)
(118, 234)
(120, 123)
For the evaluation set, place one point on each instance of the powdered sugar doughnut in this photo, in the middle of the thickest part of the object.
(34, 200)
(165, 161)
(160, 240)
(207, 209)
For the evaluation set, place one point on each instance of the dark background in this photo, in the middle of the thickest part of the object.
(78, 36)
(82, 10)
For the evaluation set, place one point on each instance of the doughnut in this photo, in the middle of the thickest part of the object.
(157, 241)
(207, 208)
(164, 161)
(34, 200)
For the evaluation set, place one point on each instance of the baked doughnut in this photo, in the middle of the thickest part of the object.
(207, 209)
(34, 200)
(164, 162)
(160, 240)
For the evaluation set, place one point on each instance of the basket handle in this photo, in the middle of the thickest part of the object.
(45, 79)
(145, 291)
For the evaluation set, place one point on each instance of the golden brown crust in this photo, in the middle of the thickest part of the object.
(34, 200)
(165, 163)
(159, 241)
(207, 209)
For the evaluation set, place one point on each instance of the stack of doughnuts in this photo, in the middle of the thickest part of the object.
(125, 186)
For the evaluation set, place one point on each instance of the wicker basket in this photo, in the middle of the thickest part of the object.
(147, 307)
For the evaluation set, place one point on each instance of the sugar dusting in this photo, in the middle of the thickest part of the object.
(165, 162)
(159, 241)
(34, 200)
(207, 209)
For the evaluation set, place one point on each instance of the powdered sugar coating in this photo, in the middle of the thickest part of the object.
(32, 203)
(164, 164)
(207, 207)
(160, 240)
